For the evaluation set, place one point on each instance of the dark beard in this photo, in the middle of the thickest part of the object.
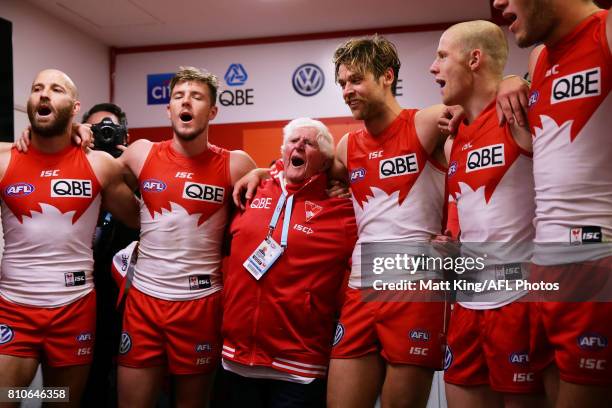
(542, 23)
(57, 127)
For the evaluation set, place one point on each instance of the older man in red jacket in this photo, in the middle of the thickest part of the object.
(288, 266)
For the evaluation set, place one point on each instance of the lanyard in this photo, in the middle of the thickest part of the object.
(286, 219)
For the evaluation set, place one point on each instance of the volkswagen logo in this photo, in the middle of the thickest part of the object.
(308, 80)
(6, 334)
(126, 343)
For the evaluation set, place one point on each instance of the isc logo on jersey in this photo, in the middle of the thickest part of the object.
(485, 157)
(203, 192)
(71, 188)
(583, 84)
(398, 166)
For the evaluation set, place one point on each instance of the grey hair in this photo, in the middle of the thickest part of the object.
(324, 137)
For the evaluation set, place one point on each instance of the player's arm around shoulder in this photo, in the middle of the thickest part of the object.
(133, 159)
(5, 157)
(117, 196)
(338, 170)
(240, 164)
(426, 124)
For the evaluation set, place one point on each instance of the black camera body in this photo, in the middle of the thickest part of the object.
(107, 135)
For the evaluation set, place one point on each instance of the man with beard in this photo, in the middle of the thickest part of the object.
(397, 185)
(173, 310)
(51, 198)
(570, 121)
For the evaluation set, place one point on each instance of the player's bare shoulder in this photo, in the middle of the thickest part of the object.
(240, 164)
(105, 167)
(426, 125)
(5, 157)
(135, 156)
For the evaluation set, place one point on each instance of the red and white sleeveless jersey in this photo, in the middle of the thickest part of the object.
(50, 206)
(490, 178)
(397, 189)
(570, 116)
(183, 216)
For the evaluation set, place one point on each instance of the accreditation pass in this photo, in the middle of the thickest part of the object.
(263, 257)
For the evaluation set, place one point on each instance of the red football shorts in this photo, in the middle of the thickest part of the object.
(403, 332)
(57, 336)
(492, 347)
(185, 335)
(576, 335)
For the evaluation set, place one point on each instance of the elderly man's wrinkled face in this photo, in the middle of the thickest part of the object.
(302, 157)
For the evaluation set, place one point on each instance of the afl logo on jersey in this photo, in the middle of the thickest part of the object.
(358, 174)
(519, 358)
(592, 341)
(153, 186)
(452, 168)
(71, 188)
(6, 334)
(419, 335)
(533, 98)
(19, 190)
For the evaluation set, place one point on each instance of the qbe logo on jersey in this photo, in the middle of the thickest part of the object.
(583, 84)
(158, 88)
(203, 192)
(485, 157)
(398, 166)
(71, 188)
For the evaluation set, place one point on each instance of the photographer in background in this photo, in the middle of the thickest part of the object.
(109, 127)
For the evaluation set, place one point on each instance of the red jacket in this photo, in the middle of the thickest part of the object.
(286, 319)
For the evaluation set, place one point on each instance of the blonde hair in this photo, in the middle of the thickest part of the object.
(486, 36)
(373, 54)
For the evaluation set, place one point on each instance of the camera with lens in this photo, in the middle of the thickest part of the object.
(107, 135)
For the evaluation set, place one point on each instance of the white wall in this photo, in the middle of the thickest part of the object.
(41, 41)
(270, 68)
